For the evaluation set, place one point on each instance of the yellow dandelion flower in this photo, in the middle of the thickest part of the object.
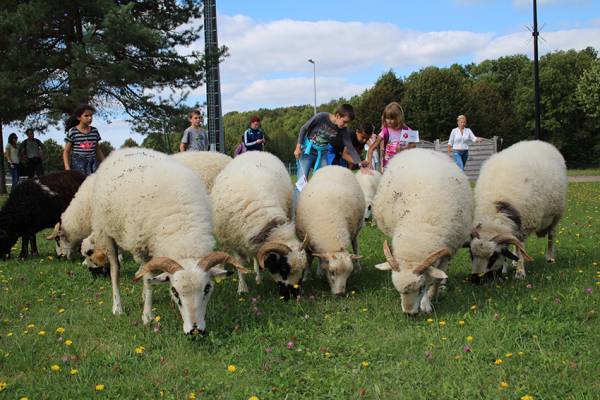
(30, 326)
(429, 321)
(498, 361)
(509, 355)
(457, 357)
(68, 342)
(139, 349)
(474, 307)
(191, 396)
(253, 398)
(157, 318)
(527, 397)
(520, 353)
(327, 354)
(231, 368)
(461, 322)
(365, 364)
(23, 398)
(61, 310)
(55, 367)
(99, 387)
(469, 339)
(442, 323)
(3, 386)
(504, 385)
(42, 333)
(73, 371)
(9, 334)
(60, 330)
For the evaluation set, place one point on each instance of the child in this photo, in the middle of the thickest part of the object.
(31, 150)
(12, 157)
(317, 133)
(392, 123)
(254, 137)
(81, 151)
(338, 153)
(195, 137)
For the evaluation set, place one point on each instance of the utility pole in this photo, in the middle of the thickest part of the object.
(213, 80)
(314, 83)
(536, 73)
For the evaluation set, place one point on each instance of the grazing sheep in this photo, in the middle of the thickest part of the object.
(207, 164)
(76, 221)
(33, 205)
(368, 184)
(424, 203)
(520, 190)
(252, 199)
(330, 211)
(158, 209)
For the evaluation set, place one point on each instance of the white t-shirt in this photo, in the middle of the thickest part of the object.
(13, 153)
(461, 141)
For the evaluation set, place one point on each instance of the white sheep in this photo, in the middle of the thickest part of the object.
(158, 209)
(424, 203)
(252, 212)
(207, 164)
(368, 184)
(330, 211)
(520, 190)
(76, 221)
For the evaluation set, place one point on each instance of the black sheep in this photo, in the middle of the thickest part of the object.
(33, 205)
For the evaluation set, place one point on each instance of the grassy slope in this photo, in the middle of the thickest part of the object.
(553, 323)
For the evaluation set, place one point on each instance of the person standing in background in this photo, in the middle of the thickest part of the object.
(12, 157)
(254, 137)
(194, 137)
(458, 144)
(82, 152)
(31, 151)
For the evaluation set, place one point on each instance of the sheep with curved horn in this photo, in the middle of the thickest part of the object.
(158, 209)
(424, 203)
(331, 211)
(520, 191)
(253, 198)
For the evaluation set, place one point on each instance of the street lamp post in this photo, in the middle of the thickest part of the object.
(314, 83)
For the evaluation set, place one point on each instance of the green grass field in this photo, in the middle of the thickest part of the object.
(584, 172)
(538, 337)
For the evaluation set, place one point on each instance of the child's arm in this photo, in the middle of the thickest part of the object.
(67, 156)
(372, 148)
(99, 154)
(184, 141)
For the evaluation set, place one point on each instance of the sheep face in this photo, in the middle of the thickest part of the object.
(412, 287)
(7, 241)
(486, 256)
(191, 290)
(338, 267)
(368, 212)
(287, 271)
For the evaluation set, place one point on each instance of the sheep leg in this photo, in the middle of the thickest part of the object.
(355, 250)
(550, 254)
(257, 271)
(111, 248)
(147, 314)
(438, 284)
(426, 306)
(24, 246)
(320, 270)
(520, 273)
(306, 273)
(33, 244)
(242, 286)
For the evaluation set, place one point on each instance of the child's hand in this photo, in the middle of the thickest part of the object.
(297, 152)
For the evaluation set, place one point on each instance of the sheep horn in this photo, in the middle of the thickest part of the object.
(164, 264)
(433, 257)
(390, 258)
(218, 257)
(500, 239)
(304, 244)
(271, 247)
(55, 233)
(355, 256)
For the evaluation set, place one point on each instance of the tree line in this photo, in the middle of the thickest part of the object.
(496, 95)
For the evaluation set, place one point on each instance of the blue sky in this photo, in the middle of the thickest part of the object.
(353, 42)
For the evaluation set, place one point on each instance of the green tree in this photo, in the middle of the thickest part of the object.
(105, 52)
(105, 147)
(370, 104)
(588, 90)
(129, 142)
(52, 156)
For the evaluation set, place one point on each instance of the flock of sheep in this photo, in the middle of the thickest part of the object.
(168, 210)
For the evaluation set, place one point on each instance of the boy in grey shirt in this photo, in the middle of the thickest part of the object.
(195, 137)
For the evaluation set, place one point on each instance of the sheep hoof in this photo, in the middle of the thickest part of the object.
(520, 274)
(147, 318)
(550, 260)
(426, 309)
(117, 309)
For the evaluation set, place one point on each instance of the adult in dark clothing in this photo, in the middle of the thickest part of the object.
(31, 151)
(254, 137)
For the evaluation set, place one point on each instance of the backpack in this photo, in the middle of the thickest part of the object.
(241, 148)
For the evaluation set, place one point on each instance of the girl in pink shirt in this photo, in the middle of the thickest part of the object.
(391, 137)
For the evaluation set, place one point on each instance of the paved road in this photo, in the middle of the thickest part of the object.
(584, 178)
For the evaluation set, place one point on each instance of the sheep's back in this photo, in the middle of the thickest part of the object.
(423, 192)
(147, 201)
(330, 208)
(530, 175)
(207, 164)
